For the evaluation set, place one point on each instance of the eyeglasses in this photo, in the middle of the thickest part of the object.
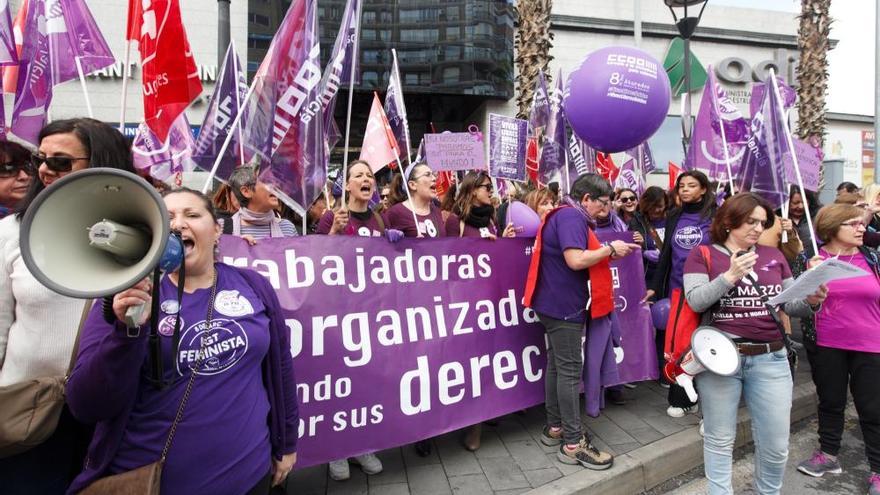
(426, 174)
(11, 169)
(855, 224)
(604, 202)
(55, 163)
(383, 196)
(628, 199)
(489, 187)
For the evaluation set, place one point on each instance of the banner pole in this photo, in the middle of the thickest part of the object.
(82, 82)
(354, 60)
(125, 74)
(794, 160)
(235, 69)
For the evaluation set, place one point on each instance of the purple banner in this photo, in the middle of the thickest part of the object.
(789, 95)
(455, 151)
(164, 159)
(8, 52)
(581, 157)
(395, 109)
(809, 160)
(507, 147)
(339, 69)
(33, 92)
(539, 113)
(376, 370)
(551, 166)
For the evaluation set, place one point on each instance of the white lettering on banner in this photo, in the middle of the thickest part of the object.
(452, 386)
(392, 328)
(300, 271)
(325, 389)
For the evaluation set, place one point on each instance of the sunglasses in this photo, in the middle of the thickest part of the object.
(384, 196)
(55, 163)
(489, 187)
(628, 199)
(11, 169)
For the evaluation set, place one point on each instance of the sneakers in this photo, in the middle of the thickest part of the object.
(630, 385)
(663, 384)
(369, 463)
(820, 463)
(586, 455)
(551, 438)
(874, 484)
(679, 412)
(339, 470)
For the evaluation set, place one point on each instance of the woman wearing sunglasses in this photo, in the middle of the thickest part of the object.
(16, 174)
(37, 326)
(629, 204)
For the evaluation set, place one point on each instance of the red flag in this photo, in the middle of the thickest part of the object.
(532, 159)
(674, 172)
(170, 80)
(444, 182)
(135, 18)
(380, 146)
(606, 168)
(10, 73)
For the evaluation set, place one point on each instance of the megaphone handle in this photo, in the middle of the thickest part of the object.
(686, 382)
(134, 315)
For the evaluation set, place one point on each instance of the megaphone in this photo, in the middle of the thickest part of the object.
(97, 232)
(710, 350)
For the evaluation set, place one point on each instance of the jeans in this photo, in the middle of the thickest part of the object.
(765, 382)
(833, 369)
(565, 364)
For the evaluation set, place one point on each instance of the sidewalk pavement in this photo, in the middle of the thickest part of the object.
(649, 447)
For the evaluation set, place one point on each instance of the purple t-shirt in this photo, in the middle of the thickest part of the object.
(454, 229)
(741, 311)
(690, 231)
(222, 443)
(850, 316)
(364, 228)
(561, 292)
(431, 225)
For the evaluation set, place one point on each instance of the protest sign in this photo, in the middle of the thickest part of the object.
(507, 147)
(393, 343)
(455, 151)
(809, 160)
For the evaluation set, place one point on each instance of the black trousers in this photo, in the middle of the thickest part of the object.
(834, 369)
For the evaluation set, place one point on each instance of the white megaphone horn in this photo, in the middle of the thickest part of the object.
(97, 232)
(710, 350)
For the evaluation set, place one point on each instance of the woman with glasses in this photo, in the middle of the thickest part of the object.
(37, 326)
(629, 203)
(847, 349)
(16, 173)
(413, 203)
(686, 228)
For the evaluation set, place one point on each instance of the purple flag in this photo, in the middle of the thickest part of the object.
(629, 177)
(8, 52)
(395, 109)
(552, 162)
(507, 147)
(164, 159)
(789, 95)
(57, 34)
(539, 114)
(706, 150)
(763, 167)
(282, 133)
(644, 157)
(342, 62)
(230, 92)
(581, 157)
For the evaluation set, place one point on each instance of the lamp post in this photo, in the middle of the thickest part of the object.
(686, 26)
(223, 30)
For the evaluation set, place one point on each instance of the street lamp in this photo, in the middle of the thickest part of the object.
(686, 26)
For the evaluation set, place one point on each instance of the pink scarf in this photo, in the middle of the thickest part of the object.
(254, 218)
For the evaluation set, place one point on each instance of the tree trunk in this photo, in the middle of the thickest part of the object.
(533, 42)
(812, 72)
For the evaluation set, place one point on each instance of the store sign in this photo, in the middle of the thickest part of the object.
(207, 73)
(739, 70)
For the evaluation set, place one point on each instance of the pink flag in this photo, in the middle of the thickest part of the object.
(380, 146)
(10, 74)
(164, 159)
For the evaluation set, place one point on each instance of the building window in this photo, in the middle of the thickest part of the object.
(452, 32)
(451, 75)
(369, 16)
(258, 19)
(411, 79)
(371, 78)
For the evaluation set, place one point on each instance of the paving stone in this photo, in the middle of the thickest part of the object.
(393, 470)
(538, 477)
(309, 481)
(503, 473)
(625, 418)
(645, 435)
(390, 489)
(491, 446)
(527, 455)
(427, 480)
(623, 448)
(610, 433)
(456, 459)
(515, 491)
(663, 423)
(475, 484)
(510, 429)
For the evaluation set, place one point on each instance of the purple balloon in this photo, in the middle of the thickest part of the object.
(660, 313)
(524, 219)
(617, 98)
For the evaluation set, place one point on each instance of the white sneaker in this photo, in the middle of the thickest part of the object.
(370, 464)
(339, 470)
(679, 412)
(630, 385)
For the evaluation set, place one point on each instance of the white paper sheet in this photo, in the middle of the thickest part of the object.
(808, 283)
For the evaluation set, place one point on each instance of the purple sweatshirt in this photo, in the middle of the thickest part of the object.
(106, 384)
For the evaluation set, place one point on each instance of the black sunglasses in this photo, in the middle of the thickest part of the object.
(628, 199)
(55, 163)
(11, 169)
(489, 187)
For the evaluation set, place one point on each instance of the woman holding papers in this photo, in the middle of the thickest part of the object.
(730, 290)
(847, 348)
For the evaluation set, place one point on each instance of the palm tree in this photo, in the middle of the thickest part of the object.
(533, 42)
(812, 72)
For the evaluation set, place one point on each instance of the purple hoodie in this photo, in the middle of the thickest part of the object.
(104, 385)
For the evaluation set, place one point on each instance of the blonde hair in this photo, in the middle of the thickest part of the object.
(534, 198)
(871, 192)
(830, 217)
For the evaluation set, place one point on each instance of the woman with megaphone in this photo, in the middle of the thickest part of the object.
(222, 418)
(731, 289)
(38, 327)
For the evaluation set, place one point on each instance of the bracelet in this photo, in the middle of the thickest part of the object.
(613, 251)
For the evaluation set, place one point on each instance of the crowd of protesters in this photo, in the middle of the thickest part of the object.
(118, 407)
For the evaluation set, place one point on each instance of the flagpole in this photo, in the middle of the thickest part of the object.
(235, 69)
(794, 160)
(400, 91)
(235, 122)
(723, 140)
(82, 82)
(125, 69)
(412, 206)
(354, 60)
